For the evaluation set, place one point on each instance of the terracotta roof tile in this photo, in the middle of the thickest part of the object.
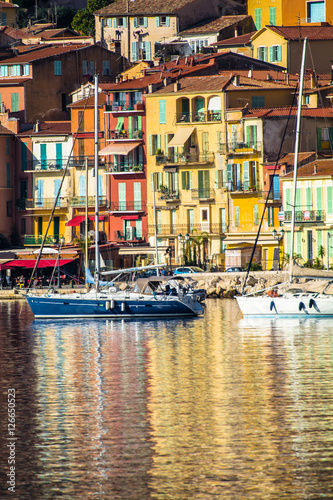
(300, 32)
(137, 83)
(8, 5)
(152, 7)
(89, 102)
(214, 25)
(5, 131)
(316, 168)
(237, 40)
(214, 83)
(43, 52)
(284, 111)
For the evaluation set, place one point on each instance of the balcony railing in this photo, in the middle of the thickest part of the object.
(168, 194)
(240, 186)
(117, 107)
(127, 206)
(305, 216)
(131, 234)
(50, 164)
(239, 147)
(182, 159)
(45, 203)
(122, 168)
(78, 201)
(200, 116)
(31, 239)
(125, 134)
(191, 229)
(202, 194)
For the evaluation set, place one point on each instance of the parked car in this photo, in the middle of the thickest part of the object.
(234, 270)
(187, 270)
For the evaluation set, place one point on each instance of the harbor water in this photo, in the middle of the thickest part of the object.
(216, 407)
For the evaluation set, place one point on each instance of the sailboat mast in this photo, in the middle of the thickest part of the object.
(97, 266)
(298, 127)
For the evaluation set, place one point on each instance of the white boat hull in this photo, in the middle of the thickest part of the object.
(287, 305)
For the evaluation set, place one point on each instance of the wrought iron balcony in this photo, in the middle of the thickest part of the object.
(127, 206)
(131, 234)
(32, 239)
(191, 229)
(45, 203)
(239, 147)
(306, 216)
(126, 134)
(122, 168)
(200, 116)
(77, 201)
(181, 159)
(202, 194)
(168, 194)
(120, 107)
(56, 164)
(240, 186)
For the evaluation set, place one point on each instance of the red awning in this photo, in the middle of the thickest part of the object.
(129, 217)
(30, 263)
(76, 221)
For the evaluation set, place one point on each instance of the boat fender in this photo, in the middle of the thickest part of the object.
(112, 289)
(112, 304)
(301, 306)
(122, 307)
(107, 305)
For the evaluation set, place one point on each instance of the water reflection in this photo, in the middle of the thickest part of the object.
(214, 407)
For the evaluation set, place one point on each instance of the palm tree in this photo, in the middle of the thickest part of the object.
(199, 239)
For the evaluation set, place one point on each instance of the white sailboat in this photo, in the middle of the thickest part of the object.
(310, 299)
(150, 298)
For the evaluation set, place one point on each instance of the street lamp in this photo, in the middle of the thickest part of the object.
(60, 244)
(278, 236)
(183, 240)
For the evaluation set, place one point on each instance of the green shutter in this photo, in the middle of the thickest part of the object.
(158, 142)
(137, 195)
(122, 195)
(157, 21)
(237, 219)
(279, 53)
(329, 202)
(184, 183)
(148, 51)
(135, 22)
(288, 206)
(318, 138)
(308, 198)
(162, 110)
(130, 127)
(319, 205)
(257, 18)
(298, 242)
(229, 173)
(271, 54)
(150, 144)
(255, 215)
(246, 175)
(140, 123)
(298, 199)
(134, 51)
(272, 16)
(145, 22)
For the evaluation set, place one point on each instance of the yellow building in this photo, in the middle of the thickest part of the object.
(281, 45)
(286, 13)
(314, 211)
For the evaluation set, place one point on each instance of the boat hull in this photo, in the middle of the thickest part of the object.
(64, 306)
(302, 305)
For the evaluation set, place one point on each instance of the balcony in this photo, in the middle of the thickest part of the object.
(185, 159)
(123, 134)
(168, 194)
(200, 116)
(123, 108)
(45, 203)
(241, 187)
(306, 216)
(129, 235)
(122, 168)
(127, 206)
(202, 194)
(32, 240)
(191, 229)
(79, 201)
(53, 165)
(241, 148)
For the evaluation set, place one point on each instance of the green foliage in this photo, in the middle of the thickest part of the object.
(84, 20)
(254, 266)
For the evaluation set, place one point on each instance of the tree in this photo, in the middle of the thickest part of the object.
(198, 240)
(84, 20)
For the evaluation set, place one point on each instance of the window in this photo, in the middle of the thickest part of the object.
(237, 220)
(40, 192)
(154, 143)
(324, 138)
(219, 179)
(4, 70)
(7, 146)
(316, 12)
(43, 156)
(9, 209)
(255, 215)
(162, 21)
(24, 151)
(270, 214)
(63, 102)
(262, 53)
(272, 16)
(57, 68)
(121, 22)
(251, 136)
(81, 121)
(3, 19)
(15, 102)
(106, 68)
(137, 195)
(258, 101)
(187, 182)
(15, 70)
(140, 21)
(275, 53)
(162, 110)
(122, 195)
(257, 18)
(56, 186)
(25, 69)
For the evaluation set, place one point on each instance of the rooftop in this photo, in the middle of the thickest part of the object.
(316, 168)
(300, 32)
(42, 52)
(213, 26)
(148, 7)
(237, 40)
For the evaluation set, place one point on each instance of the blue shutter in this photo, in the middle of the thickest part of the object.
(271, 54)
(257, 18)
(134, 51)
(122, 195)
(279, 53)
(167, 21)
(43, 162)
(137, 195)
(59, 155)
(124, 22)
(135, 22)
(100, 188)
(40, 192)
(57, 183)
(57, 68)
(157, 21)
(145, 22)
(82, 187)
(148, 50)
(162, 110)
(138, 226)
(114, 22)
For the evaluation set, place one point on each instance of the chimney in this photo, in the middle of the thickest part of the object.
(250, 73)
(312, 79)
(176, 86)
(236, 31)
(37, 126)
(315, 168)
(235, 80)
